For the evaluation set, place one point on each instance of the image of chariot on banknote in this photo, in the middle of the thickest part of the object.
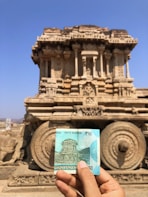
(74, 145)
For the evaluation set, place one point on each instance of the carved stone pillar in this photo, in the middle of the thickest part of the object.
(46, 68)
(41, 68)
(76, 62)
(127, 57)
(115, 69)
(75, 48)
(107, 57)
(94, 67)
(101, 50)
(84, 66)
(52, 68)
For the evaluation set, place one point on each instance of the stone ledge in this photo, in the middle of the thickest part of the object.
(24, 177)
(131, 177)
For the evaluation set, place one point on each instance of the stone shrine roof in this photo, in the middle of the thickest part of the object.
(84, 32)
(57, 38)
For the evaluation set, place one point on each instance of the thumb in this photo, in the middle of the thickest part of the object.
(88, 180)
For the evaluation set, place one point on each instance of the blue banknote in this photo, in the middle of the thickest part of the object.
(74, 145)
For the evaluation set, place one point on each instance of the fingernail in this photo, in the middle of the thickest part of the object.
(82, 164)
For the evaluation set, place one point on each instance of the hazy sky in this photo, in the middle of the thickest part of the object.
(22, 21)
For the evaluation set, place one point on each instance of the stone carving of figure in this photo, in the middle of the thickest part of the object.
(10, 147)
(88, 90)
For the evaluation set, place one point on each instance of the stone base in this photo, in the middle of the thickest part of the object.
(30, 189)
(23, 180)
(24, 177)
(131, 191)
(36, 191)
(131, 177)
(136, 190)
(5, 171)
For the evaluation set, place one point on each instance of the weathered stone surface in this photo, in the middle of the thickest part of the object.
(6, 171)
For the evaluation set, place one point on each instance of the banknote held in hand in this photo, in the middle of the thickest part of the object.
(74, 145)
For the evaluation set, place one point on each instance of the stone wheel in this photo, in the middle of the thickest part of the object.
(123, 146)
(43, 144)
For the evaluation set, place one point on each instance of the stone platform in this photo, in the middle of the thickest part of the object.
(28, 192)
(131, 191)
(26, 183)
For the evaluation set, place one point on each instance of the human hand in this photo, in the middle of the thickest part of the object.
(87, 184)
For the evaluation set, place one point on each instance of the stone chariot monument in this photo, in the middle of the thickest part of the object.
(85, 82)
